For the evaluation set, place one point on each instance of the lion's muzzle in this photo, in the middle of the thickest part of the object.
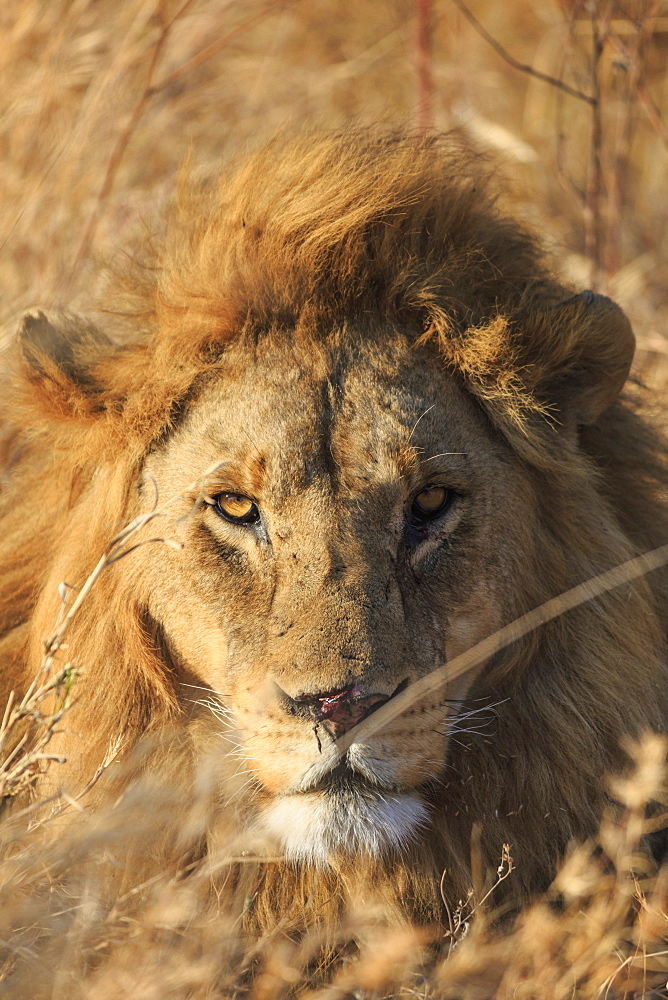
(339, 710)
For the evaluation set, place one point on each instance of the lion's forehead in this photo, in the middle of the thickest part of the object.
(369, 416)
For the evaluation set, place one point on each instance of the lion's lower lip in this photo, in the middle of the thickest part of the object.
(343, 778)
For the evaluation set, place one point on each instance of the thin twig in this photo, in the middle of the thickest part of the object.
(522, 67)
(646, 102)
(220, 43)
(150, 90)
(594, 237)
(425, 78)
(123, 140)
(652, 112)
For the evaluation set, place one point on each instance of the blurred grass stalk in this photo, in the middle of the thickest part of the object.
(423, 50)
(74, 924)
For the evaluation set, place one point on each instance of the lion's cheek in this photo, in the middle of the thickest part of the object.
(275, 754)
(276, 774)
(473, 623)
(194, 635)
(410, 757)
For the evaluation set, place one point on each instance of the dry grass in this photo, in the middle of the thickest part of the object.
(73, 925)
(101, 100)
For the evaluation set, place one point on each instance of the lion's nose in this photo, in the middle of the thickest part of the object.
(342, 709)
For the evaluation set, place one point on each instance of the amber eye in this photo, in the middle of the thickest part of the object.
(429, 504)
(236, 508)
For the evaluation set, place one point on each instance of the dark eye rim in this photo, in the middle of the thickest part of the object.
(250, 518)
(419, 517)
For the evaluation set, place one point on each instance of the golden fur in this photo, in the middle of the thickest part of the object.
(340, 322)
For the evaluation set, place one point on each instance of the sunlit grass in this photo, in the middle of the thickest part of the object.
(101, 102)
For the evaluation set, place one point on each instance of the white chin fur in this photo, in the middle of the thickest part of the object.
(313, 826)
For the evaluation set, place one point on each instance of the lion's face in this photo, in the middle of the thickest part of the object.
(358, 531)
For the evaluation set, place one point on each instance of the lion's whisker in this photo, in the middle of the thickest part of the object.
(203, 687)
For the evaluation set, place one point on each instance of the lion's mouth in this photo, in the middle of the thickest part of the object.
(344, 780)
(360, 771)
(336, 711)
(349, 803)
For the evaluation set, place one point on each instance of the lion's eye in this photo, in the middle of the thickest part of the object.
(429, 504)
(236, 508)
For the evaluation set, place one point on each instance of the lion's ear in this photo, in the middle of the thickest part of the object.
(59, 354)
(583, 353)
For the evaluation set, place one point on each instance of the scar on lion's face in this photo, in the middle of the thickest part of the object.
(354, 494)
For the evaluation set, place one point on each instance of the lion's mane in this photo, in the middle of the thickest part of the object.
(312, 233)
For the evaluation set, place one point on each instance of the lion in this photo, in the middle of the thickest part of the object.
(383, 427)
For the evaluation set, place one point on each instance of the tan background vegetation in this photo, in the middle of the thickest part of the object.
(100, 101)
